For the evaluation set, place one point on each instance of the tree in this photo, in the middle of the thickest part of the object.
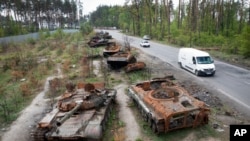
(245, 42)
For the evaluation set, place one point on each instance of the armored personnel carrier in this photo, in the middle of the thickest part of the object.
(81, 113)
(166, 106)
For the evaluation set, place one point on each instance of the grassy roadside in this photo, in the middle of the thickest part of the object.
(25, 66)
(67, 50)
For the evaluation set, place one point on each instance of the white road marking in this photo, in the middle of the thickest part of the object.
(238, 101)
(247, 82)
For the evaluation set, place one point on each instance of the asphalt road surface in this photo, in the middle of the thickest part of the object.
(231, 81)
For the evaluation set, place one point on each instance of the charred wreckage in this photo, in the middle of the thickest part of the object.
(80, 113)
(166, 106)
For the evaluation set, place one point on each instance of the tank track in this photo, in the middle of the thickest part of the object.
(39, 134)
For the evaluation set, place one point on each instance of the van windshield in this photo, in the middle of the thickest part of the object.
(204, 60)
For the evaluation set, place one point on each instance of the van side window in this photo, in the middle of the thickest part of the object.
(194, 61)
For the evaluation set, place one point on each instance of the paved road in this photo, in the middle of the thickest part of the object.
(232, 81)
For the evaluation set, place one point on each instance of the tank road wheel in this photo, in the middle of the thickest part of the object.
(145, 117)
(135, 103)
(104, 124)
(107, 116)
(154, 128)
(39, 134)
(150, 122)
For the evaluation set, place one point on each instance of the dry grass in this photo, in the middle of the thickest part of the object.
(119, 134)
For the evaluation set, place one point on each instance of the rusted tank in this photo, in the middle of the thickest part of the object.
(121, 59)
(98, 41)
(81, 113)
(104, 34)
(111, 49)
(166, 106)
(135, 66)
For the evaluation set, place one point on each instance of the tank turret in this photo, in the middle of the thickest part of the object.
(80, 113)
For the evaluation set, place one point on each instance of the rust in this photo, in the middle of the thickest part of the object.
(167, 106)
(121, 59)
(135, 66)
(79, 114)
(111, 49)
(97, 41)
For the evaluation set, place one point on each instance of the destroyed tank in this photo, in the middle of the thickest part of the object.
(120, 59)
(111, 49)
(135, 66)
(166, 106)
(81, 113)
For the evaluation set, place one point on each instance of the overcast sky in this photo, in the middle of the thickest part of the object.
(91, 5)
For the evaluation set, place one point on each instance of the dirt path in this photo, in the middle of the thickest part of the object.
(20, 129)
(132, 129)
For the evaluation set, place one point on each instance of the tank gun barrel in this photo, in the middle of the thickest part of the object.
(68, 114)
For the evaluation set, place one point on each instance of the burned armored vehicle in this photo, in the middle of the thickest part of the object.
(166, 106)
(111, 49)
(81, 113)
(97, 41)
(135, 66)
(120, 59)
(104, 34)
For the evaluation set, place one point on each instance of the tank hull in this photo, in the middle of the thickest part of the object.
(120, 59)
(85, 121)
(167, 106)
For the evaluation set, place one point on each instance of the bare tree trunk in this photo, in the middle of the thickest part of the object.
(241, 17)
(150, 17)
(156, 11)
(217, 17)
(179, 14)
(194, 15)
(249, 14)
(167, 11)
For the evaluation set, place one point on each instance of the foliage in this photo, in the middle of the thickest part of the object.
(26, 15)
(58, 34)
(44, 34)
(86, 28)
(106, 16)
(245, 42)
(1, 32)
(25, 65)
(136, 76)
(31, 41)
(211, 24)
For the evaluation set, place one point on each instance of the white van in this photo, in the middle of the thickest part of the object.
(196, 61)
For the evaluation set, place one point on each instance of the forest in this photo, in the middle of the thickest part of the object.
(218, 24)
(25, 16)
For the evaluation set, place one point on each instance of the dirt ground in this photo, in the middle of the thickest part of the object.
(220, 118)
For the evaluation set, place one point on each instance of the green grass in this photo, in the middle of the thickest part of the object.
(5, 77)
(137, 76)
(11, 98)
